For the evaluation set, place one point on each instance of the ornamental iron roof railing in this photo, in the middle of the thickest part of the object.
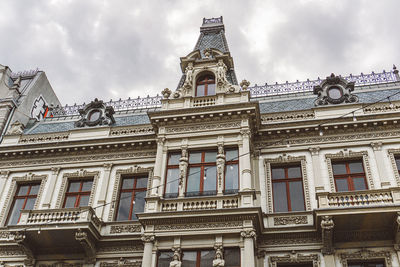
(307, 86)
(255, 92)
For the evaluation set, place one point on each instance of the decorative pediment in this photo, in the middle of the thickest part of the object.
(96, 113)
(334, 90)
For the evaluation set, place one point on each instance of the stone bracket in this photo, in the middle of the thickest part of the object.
(87, 244)
(327, 225)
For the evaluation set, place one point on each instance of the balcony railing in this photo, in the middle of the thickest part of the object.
(200, 203)
(59, 216)
(364, 198)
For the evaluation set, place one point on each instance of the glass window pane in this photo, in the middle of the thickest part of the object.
(207, 257)
(231, 177)
(232, 257)
(34, 189)
(339, 168)
(74, 186)
(172, 181)
(210, 156)
(87, 186)
(211, 89)
(200, 90)
(231, 154)
(296, 196)
(16, 211)
(195, 157)
(127, 183)
(70, 202)
(189, 258)
(173, 158)
(23, 190)
(141, 182)
(84, 201)
(356, 167)
(341, 185)
(193, 180)
(359, 183)
(398, 163)
(139, 204)
(124, 206)
(164, 258)
(30, 202)
(278, 173)
(294, 172)
(280, 198)
(210, 179)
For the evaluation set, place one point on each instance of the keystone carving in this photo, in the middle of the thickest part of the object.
(334, 90)
(327, 225)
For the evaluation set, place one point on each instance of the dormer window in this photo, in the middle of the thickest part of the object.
(205, 85)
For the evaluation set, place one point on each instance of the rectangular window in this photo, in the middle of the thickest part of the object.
(78, 193)
(349, 176)
(287, 188)
(131, 198)
(231, 171)
(24, 199)
(172, 177)
(367, 264)
(201, 258)
(202, 174)
(397, 159)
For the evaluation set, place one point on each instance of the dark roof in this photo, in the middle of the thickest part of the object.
(283, 104)
(51, 126)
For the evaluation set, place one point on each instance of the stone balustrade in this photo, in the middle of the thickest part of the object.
(362, 198)
(59, 216)
(200, 203)
(204, 101)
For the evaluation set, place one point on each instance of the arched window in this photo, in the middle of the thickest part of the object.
(205, 85)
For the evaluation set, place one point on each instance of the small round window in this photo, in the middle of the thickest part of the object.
(94, 115)
(335, 93)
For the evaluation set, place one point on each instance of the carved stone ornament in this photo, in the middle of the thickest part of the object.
(16, 128)
(96, 113)
(334, 90)
(295, 258)
(176, 258)
(166, 93)
(250, 233)
(285, 220)
(244, 84)
(327, 225)
(122, 262)
(365, 254)
(87, 244)
(219, 257)
(148, 238)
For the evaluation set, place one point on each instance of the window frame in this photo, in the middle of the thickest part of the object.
(133, 191)
(348, 176)
(173, 166)
(287, 181)
(203, 80)
(79, 193)
(348, 156)
(368, 262)
(25, 197)
(282, 160)
(203, 166)
(394, 154)
(27, 178)
(227, 164)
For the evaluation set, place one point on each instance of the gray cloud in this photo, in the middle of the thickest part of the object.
(120, 49)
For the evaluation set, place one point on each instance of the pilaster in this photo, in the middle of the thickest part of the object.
(104, 189)
(50, 190)
(380, 157)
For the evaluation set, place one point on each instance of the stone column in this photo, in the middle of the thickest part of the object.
(50, 191)
(148, 241)
(3, 180)
(380, 157)
(103, 189)
(245, 166)
(158, 167)
(248, 238)
(183, 166)
(319, 183)
(220, 169)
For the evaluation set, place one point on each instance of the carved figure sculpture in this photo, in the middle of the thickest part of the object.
(221, 73)
(189, 74)
(16, 128)
(175, 261)
(183, 162)
(220, 165)
(218, 260)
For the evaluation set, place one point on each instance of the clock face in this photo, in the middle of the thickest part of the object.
(335, 93)
(94, 115)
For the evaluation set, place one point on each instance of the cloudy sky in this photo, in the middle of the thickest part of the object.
(115, 49)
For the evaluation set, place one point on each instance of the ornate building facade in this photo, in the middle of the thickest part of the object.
(214, 173)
